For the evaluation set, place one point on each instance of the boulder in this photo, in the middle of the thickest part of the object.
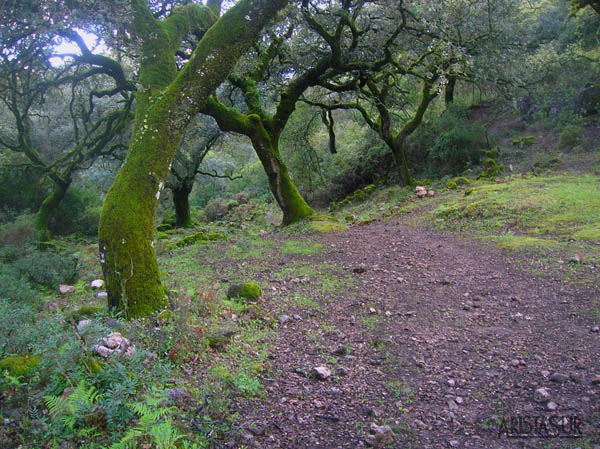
(97, 283)
(380, 436)
(66, 289)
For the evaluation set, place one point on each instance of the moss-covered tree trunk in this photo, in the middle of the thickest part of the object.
(398, 148)
(183, 217)
(165, 104)
(449, 91)
(48, 208)
(290, 201)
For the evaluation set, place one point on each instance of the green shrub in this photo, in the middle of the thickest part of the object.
(570, 137)
(78, 212)
(456, 141)
(215, 209)
(19, 232)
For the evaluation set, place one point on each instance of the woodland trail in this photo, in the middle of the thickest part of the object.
(440, 337)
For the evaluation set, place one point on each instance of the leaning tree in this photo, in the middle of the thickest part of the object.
(180, 52)
(319, 44)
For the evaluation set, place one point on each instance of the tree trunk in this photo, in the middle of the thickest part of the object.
(449, 92)
(290, 201)
(48, 208)
(398, 148)
(164, 107)
(183, 218)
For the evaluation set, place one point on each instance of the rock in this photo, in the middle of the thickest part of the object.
(575, 259)
(297, 317)
(249, 291)
(559, 378)
(541, 395)
(380, 436)
(360, 269)
(341, 371)
(596, 380)
(284, 319)
(112, 324)
(114, 343)
(552, 406)
(452, 405)
(454, 443)
(459, 400)
(97, 283)
(545, 373)
(101, 295)
(321, 372)
(333, 391)
(82, 325)
(451, 382)
(515, 362)
(421, 191)
(263, 233)
(430, 193)
(65, 289)
(342, 350)
(177, 394)
(50, 307)
(596, 329)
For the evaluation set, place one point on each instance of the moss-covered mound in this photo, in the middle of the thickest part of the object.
(249, 291)
(197, 238)
(19, 365)
(85, 312)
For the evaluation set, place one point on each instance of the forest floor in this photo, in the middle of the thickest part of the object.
(440, 336)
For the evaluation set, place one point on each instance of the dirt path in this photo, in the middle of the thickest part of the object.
(438, 337)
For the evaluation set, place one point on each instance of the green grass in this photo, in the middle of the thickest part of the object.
(300, 247)
(565, 207)
(517, 242)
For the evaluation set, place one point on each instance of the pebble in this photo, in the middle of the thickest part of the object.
(102, 295)
(559, 378)
(451, 382)
(541, 395)
(596, 329)
(596, 380)
(82, 325)
(454, 443)
(97, 283)
(545, 373)
(515, 362)
(297, 317)
(284, 319)
(321, 372)
(552, 406)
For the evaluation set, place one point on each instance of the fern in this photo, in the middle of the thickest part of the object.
(154, 423)
(70, 411)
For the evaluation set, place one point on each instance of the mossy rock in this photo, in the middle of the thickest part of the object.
(164, 227)
(461, 181)
(370, 189)
(325, 227)
(249, 291)
(165, 317)
(19, 365)
(219, 339)
(161, 236)
(85, 312)
(197, 238)
(451, 185)
(349, 218)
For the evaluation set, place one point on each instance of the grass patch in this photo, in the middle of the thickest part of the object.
(517, 242)
(566, 207)
(300, 247)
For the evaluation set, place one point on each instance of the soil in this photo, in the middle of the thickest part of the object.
(441, 337)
